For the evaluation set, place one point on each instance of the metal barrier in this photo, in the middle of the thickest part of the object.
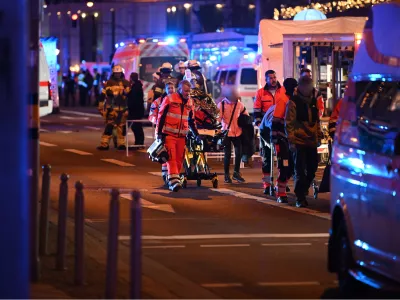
(44, 210)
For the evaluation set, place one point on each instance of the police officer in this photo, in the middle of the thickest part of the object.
(114, 108)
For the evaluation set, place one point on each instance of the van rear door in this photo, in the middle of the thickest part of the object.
(247, 86)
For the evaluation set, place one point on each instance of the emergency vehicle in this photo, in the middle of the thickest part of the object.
(45, 92)
(236, 68)
(326, 47)
(145, 56)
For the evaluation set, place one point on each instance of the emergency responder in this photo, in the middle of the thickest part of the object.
(165, 76)
(150, 93)
(175, 117)
(304, 133)
(318, 95)
(200, 81)
(272, 128)
(182, 68)
(266, 96)
(113, 107)
(153, 118)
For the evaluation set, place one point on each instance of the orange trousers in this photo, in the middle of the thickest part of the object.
(176, 150)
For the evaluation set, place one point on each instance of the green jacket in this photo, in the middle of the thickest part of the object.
(303, 125)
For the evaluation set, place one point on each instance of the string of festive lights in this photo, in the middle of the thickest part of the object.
(340, 6)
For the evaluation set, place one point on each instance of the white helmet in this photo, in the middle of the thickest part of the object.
(193, 64)
(181, 64)
(166, 67)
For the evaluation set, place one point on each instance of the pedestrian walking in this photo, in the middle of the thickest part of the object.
(136, 108)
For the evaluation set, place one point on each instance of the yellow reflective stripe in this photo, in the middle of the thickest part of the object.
(170, 114)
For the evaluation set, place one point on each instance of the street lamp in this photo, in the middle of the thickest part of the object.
(89, 4)
(252, 6)
(168, 9)
(83, 15)
(74, 17)
(173, 8)
(187, 5)
(96, 14)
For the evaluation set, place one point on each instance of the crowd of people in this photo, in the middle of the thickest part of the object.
(288, 117)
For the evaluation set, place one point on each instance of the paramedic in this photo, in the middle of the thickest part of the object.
(266, 96)
(230, 109)
(113, 107)
(175, 117)
(272, 129)
(153, 118)
(304, 133)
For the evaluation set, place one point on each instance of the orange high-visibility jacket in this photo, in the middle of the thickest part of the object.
(278, 119)
(334, 118)
(176, 116)
(264, 100)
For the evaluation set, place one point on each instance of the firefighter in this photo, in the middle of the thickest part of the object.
(153, 118)
(318, 95)
(304, 134)
(200, 81)
(266, 96)
(175, 118)
(114, 109)
(165, 76)
(272, 128)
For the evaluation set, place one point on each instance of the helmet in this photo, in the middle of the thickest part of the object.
(193, 64)
(181, 64)
(117, 69)
(166, 67)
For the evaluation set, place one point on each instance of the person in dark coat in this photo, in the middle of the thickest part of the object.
(136, 107)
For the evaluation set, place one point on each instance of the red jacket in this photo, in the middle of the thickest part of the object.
(176, 116)
(334, 118)
(264, 100)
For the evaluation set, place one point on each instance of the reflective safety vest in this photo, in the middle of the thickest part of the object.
(278, 119)
(174, 115)
(264, 100)
(154, 108)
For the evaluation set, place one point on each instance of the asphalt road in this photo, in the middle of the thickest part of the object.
(233, 241)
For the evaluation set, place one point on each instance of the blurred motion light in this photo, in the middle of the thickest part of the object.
(173, 8)
(182, 40)
(96, 14)
(219, 5)
(187, 5)
(83, 15)
(89, 4)
(74, 17)
(57, 51)
(252, 6)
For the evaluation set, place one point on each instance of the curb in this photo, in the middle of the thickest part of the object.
(173, 285)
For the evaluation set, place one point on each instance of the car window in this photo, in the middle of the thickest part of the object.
(248, 76)
(378, 111)
(231, 77)
(222, 77)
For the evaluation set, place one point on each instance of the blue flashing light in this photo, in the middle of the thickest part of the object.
(252, 55)
(213, 58)
(116, 46)
(232, 48)
(121, 44)
(155, 40)
(170, 40)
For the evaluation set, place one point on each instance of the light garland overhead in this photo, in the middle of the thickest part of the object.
(290, 12)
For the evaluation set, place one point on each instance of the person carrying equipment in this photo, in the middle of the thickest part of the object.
(114, 109)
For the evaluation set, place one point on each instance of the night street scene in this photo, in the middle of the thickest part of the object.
(203, 149)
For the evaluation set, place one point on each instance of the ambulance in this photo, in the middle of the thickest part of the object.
(236, 68)
(145, 56)
(45, 93)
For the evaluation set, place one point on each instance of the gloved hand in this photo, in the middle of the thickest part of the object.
(198, 140)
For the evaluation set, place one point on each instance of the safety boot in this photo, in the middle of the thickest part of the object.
(176, 186)
(227, 178)
(282, 199)
(102, 148)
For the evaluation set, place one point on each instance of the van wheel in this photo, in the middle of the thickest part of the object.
(348, 286)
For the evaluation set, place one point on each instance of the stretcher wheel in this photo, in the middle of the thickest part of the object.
(215, 183)
(198, 182)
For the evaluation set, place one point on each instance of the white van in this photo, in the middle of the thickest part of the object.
(45, 101)
(236, 68)
(364, 243)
